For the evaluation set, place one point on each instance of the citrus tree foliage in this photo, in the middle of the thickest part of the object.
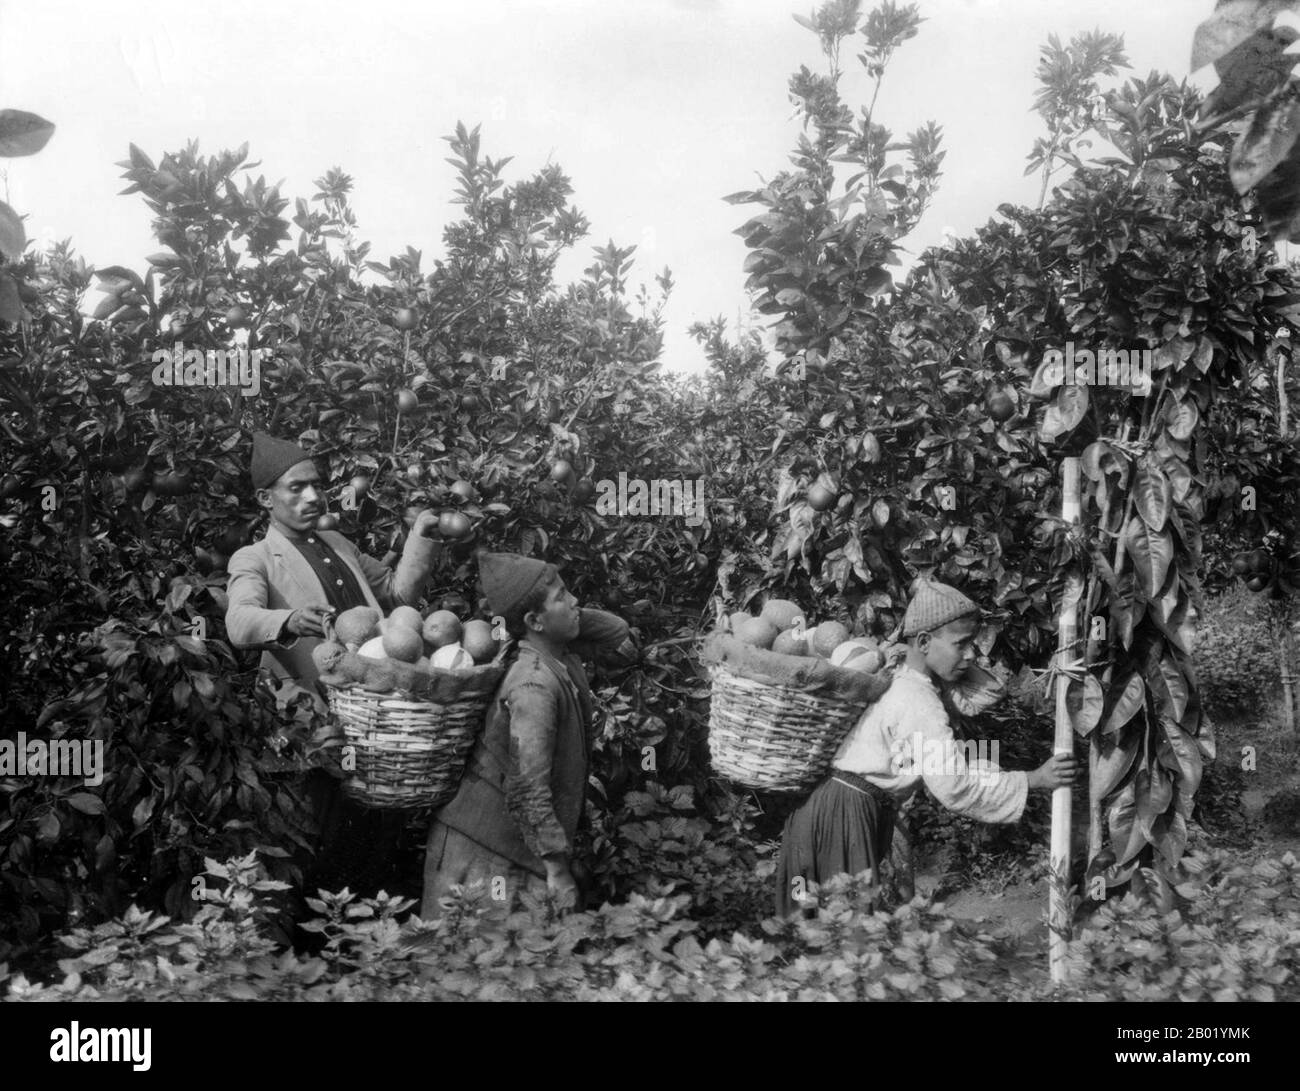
(829, 229)
(938, 427)
(1256, 93)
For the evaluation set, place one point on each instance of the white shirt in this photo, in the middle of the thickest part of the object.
(905, 738)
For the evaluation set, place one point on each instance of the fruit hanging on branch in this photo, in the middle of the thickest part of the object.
(454, 525)
(1000, 406)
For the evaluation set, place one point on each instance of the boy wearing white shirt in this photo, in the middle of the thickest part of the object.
(846, 825)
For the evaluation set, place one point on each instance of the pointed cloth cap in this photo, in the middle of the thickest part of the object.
(271, 457)
(508, 578)
(935, 604)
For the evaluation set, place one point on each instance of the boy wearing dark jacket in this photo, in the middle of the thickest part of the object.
(515, 815)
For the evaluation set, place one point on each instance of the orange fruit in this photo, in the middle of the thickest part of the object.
(402, 644)
(788, 644)
(477, 640)
(820, 497)
(781, 613)
(406, 616)
(453, 524)
(355, 626)
(440, 628)
(757, 631)
(828, 636)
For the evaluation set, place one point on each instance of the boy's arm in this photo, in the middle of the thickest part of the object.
(606, 638)
(532, 706)
(979, 790)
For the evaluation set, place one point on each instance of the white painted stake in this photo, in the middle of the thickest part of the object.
(1058, 912)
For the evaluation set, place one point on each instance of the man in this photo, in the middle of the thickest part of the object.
(281, 589)
(513, 820)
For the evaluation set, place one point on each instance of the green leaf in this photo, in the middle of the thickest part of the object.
(1126, 837)
(1112, 765)
(1264, 144)
(1181, 417)
(1232, 23)
(1084, 701)
(22, 133)
(1127, 705)
(85, 803)
(1151, 493)
(11, 306)
(13, 238)
(1179, 754)
(1153, 791)
(1169, 688)
(142, 812)
(1152, 553)
(117, 278)
(1065, 413)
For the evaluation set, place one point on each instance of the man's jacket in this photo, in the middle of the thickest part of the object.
(525, 783)
(270, 579)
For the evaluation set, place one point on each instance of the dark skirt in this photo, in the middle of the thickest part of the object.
(844, 827)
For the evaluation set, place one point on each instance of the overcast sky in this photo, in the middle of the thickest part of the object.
(655, 108)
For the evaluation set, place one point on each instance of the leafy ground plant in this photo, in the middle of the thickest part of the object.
(1231, 930)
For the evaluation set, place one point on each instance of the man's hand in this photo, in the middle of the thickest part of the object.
(1058, 771)
(560, 881)
(308, 621)
(426, 524)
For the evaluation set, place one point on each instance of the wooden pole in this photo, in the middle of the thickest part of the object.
(1067, 637)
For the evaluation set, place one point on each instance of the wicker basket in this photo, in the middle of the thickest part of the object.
(775, 721)
(410, 753)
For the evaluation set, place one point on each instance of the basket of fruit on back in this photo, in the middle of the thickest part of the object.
(410, 695)
(785, 694)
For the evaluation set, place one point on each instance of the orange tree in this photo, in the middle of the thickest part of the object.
(126, 497)
(933, 419)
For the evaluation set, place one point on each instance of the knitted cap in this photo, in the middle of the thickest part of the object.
(271, 457)
(507, 578)
(933, 605)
